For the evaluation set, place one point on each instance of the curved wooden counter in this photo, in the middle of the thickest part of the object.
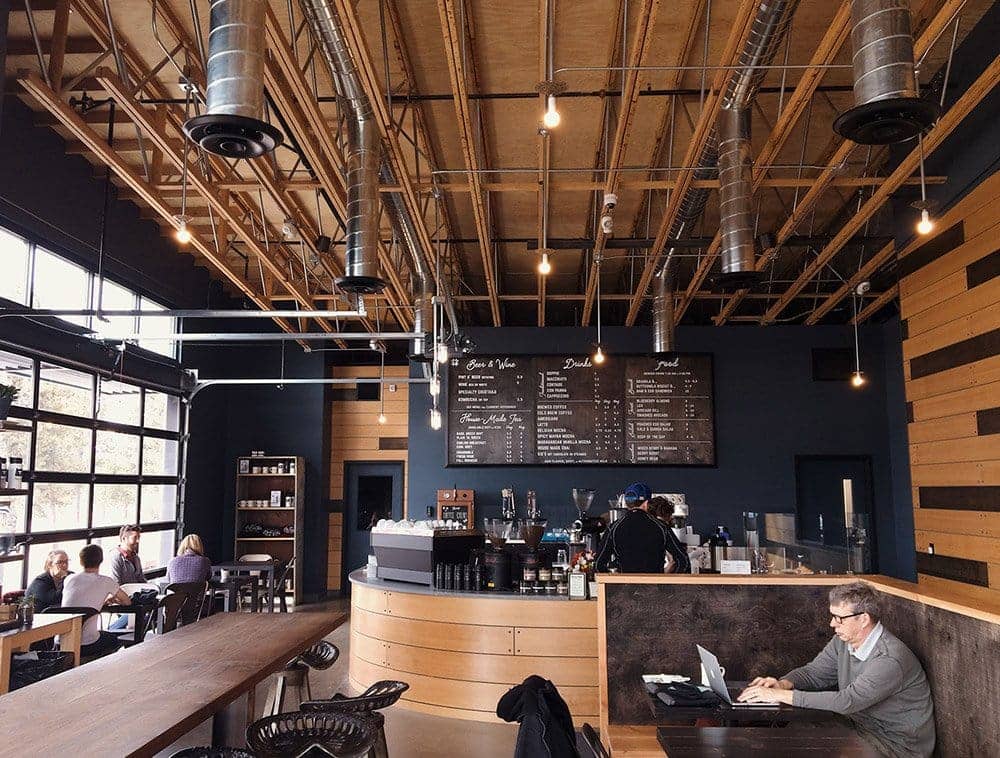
(461, 651)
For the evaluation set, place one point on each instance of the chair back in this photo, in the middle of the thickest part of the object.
(171, 605)
(254, 558)
(81, 609)
(194, 606)
(129, 587)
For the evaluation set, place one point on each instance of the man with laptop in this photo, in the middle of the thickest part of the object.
(864, 673)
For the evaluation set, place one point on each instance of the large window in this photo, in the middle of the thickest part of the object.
(38, 278)
(97, 454)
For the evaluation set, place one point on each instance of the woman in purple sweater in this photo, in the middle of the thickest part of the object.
(190, 563)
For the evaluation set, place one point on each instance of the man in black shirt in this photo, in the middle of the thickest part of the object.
(639, 542)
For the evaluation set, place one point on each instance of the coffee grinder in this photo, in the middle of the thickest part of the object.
(532, 532)
(496, 561)
(590, 527)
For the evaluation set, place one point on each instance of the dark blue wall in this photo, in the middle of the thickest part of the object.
(768, 410)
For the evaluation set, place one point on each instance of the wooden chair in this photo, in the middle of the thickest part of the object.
(279, 583)
(194, 606)
(170, 606)
(84, 611)
(261, 588)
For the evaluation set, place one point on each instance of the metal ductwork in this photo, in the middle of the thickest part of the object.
(361, 274)
(737, 257)
(887, 108)
(663, 313)
(233, 124)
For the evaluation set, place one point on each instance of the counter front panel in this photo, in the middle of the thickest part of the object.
(460, 654)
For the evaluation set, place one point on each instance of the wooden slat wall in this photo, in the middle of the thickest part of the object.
(950, 304)
(356, 435)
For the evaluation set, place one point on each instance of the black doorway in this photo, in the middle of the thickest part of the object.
(823, 483)
(372, 491)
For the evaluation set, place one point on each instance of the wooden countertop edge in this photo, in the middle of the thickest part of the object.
(887, 584)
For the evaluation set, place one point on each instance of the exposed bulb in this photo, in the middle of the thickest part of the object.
(182, 234)
(434, 386)
(435, 418)
(598, 356)
(551, 118)
(545, 268)
(925, 225)
(441, 353)
(381, 418)
(858, 379)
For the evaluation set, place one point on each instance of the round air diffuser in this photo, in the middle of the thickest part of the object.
(885, 122)
(232, 136)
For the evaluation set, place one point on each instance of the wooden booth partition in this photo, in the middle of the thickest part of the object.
(771, 624)
(356, 435)
(949, 295)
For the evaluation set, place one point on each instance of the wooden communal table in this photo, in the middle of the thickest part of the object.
(747, 742)
(44, 626)
(141, 700)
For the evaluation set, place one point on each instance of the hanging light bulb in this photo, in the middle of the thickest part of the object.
(381, 418)
(441, 352)
(434, 386)
(183, 234)
(545, 268)
(858, 379)
(598, 357)
(925, 225)
(435, 418)
(551, 118)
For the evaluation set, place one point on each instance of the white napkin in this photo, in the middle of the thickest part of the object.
(664, 678)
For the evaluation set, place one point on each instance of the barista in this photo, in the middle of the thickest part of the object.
(638, 543)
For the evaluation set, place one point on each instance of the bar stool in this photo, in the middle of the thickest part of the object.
(341, 735)
(295, 676)
(211, 752)
(380, 695)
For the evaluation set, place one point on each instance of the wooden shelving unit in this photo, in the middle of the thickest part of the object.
(250, 486)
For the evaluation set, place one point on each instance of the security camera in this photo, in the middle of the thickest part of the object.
(607, 223)
(289, 230)
(610, 200)
(863, 288)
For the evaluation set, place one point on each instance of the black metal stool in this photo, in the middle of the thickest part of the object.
(342, 735)
(212, 752)
(380, 695)
(295, 676)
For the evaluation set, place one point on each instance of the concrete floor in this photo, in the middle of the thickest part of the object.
(409, 734)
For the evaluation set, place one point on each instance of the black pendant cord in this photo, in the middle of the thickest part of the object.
(105, 211)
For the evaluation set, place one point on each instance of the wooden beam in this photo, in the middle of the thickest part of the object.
(57, 52)
(455, 42)
(862, 274)
(932, 140)
(807, 203)
(66, 46)
(876, 305)
(699, 138)
(825, 53)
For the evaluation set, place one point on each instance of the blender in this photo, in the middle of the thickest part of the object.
(590, 527)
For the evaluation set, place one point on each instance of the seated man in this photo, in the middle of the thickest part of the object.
(637, 543)
(91, 589)
(864, 673)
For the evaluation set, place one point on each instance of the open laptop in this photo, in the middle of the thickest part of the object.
(718, 683)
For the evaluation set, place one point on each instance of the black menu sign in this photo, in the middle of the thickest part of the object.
(633, 410)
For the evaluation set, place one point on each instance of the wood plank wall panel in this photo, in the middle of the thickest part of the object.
(356, 435)
(950, 303)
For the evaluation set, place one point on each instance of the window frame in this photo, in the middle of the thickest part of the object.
(30, 415)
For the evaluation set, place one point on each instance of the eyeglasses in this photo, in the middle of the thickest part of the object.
(840, 619)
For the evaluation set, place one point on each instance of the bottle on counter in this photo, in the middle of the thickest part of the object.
(534, 512)
(613, 567)
(717, 546)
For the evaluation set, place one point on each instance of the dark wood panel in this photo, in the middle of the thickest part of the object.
(904, 329)
(909, 412)
(988, 421)
(956, 569)
(933, 249)
(983, 270)
(393, 443)
(654, 628)
(973, 498)
(749, 742)
(959, 656)
(967, 351)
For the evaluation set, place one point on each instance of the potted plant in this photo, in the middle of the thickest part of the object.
(8, 394)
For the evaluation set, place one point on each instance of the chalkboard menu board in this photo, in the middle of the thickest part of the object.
(563, 410)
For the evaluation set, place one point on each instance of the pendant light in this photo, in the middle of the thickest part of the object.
(183, 234)
(925, 225)
(598, 356)
(381, 390)
(858, 379)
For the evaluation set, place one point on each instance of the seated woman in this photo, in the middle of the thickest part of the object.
(190, 563)
(46, 589)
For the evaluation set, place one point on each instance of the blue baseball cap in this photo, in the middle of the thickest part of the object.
(637, 493)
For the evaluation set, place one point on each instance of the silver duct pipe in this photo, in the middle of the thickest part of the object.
(361, 273)
(769, 28)
(233, 124)
(887, 107)
(663, 313)
(738, 257)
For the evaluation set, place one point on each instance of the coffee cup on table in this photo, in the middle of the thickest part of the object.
(224, 575)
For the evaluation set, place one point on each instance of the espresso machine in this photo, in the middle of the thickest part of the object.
(590, 527)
